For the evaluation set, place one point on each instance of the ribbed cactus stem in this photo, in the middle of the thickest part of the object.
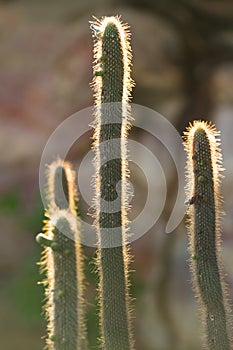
(203, 174)
(62, 261)
(112, 86)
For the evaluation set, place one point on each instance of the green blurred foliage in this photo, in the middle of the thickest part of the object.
(26, 293)
(10, 202)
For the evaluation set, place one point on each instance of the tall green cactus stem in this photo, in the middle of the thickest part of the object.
(62, 261)
(204, 174)
(112, 86)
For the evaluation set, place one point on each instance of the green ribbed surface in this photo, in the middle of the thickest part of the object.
(112, 64)
(67, 328)
(65, 290)
(205, 261)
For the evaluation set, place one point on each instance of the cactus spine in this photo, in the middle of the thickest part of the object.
(112, 86)
(203, 174)
(62, 260)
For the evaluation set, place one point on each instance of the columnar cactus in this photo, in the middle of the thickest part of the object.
(203, 191)
(112, 86)
(62, 260)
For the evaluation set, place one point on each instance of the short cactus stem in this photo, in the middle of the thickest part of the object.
(112, 93)
(203, 187)
(62, 261)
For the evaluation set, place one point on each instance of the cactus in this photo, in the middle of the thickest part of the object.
(203, 175)
(65, 196)
(62, 260)
(112, 86)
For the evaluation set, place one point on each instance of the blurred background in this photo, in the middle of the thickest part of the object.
(183, 68)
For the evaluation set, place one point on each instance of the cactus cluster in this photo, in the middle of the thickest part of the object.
(62, 257)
